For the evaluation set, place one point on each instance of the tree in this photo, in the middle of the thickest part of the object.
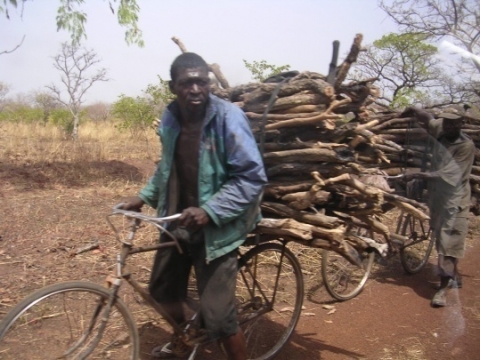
(261, 70)
(135, 114)
(159, 95)
(75, 65)
(46, 102)
(4, 89)
(138, 114)
(98, 111)
(407, 71)
(457, 21)
(72, 19)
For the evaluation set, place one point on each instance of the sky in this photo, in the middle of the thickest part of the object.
(294, 32)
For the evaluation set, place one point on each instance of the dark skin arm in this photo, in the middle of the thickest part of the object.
(422, 175)
(421, 115)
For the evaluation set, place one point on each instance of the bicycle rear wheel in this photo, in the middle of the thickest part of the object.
(269, 298)
(344, 280)
(415, 255)
(61, 322)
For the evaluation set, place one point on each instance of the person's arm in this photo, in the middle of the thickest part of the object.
(245, 168)
(431, 175)
(422, 116)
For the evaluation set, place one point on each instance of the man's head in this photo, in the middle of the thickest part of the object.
(190, 82)
(452, 123)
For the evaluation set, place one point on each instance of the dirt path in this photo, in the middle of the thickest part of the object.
(390, 319)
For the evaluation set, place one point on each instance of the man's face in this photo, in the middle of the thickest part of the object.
(452, 128)
(192, 87)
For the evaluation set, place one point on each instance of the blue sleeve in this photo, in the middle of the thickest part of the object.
(246, 173)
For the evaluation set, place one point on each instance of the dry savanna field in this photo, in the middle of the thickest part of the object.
(55, 194)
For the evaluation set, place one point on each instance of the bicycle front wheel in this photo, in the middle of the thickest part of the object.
(415, 254)
(344, 280)
(61, 321)
(269, 298)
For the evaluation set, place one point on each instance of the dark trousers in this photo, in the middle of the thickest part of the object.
(216, 283)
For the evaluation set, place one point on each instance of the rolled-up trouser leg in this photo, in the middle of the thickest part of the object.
(447, 266)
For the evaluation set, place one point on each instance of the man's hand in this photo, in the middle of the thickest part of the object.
(133, 203)
(193, 218)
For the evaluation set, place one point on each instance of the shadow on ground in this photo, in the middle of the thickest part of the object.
(47, 175)
(390, 271)
(300, 346)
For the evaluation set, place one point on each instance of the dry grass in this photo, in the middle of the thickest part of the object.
(408, 349)
(38, 144)
(36, 156)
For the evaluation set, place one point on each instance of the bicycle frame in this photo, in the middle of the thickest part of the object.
(128, 249)
(190, 338)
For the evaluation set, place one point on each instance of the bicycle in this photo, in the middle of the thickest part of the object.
(345, 280)
(79, 320)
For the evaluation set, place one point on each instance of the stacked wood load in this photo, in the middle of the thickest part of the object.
(327, 149)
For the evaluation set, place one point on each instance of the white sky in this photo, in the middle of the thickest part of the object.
(294, 32)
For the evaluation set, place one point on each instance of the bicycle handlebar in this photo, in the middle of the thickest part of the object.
(137, 215)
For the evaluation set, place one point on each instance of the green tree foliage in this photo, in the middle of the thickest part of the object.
(71, 18)
(261, 70)
(135, 114)
(407, 70)
(138, 114)
(63, 119)
(160, 94)
(22, 113)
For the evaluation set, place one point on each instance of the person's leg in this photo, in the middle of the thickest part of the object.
(168, 286)
(235, 346)
(216, 285)
(169, 280)
(446, 268)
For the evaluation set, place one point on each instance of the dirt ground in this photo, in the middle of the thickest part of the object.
(46, 214)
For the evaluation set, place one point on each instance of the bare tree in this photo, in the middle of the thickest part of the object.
(98, 111)
(76, 66)
(407, 72)
(457, 21)
(46, 102)
(438, 19)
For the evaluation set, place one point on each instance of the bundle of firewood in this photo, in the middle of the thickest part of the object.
(327, 150)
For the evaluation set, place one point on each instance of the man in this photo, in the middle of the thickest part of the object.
(212, 172)
(448, 193)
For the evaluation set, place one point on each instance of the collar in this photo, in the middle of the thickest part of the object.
(210, 111)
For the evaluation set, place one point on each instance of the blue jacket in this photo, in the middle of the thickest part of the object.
(231, 175)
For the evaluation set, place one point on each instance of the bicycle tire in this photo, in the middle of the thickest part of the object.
(344, 280)
(415, 255)
(268, 314)
(48, 323)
